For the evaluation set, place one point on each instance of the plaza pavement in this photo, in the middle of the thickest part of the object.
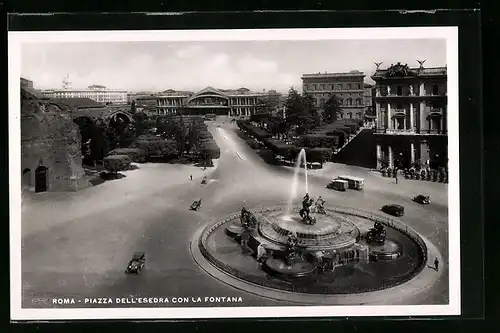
(79, 243)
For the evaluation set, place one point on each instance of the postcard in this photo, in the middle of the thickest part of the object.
(234, 173)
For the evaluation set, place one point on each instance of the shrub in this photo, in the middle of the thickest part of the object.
(342, 136)
(135, 154)
(255, 131)
(318, 141)
(115, 163)
(319, 155)
(156, 146)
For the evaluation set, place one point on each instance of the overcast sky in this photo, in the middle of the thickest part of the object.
(257, 65)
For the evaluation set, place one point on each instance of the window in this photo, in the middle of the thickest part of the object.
(332, 87)
(399, 91)
(350, 115)
(435, 89)
(359, 85)
(341, 101)
(314, 87)
(322, 101)
(349, 101)
(341, 116)
(341, 86)
(349, 86)
(358, 101)
(400, 107)
(322, 87)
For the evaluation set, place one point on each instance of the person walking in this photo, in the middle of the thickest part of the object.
(436, 264)
(191, 177)
(396, 174)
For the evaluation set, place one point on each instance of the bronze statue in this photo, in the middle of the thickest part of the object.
(306, 209)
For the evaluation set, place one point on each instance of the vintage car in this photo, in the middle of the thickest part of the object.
(393, 209)
(136, 264)
(422, 199)
(195, 205)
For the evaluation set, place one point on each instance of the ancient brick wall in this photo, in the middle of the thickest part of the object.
(50, 139)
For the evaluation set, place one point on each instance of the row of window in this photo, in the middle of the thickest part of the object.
(399, 90)
(348, 102)
(349, 115)
(339, 86)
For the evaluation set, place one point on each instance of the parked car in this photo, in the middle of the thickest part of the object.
(393, 209)
(136, 264)
(422, 199)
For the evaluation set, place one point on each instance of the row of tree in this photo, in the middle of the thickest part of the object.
(300, 115)
(165, 137)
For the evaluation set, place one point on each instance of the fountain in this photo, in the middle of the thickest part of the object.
(293, 242)
(301, 158)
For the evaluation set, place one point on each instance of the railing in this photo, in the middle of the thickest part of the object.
(265, 282)
(409, 131)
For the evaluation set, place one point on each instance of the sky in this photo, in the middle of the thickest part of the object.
(256, 65)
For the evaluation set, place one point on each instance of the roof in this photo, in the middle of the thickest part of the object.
(326, 74)
(399, 70)
(79, 102)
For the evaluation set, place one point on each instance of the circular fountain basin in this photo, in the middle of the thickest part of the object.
(299, 268)
(328, 233)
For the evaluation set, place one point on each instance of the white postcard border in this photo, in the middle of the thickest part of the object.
(16, 39)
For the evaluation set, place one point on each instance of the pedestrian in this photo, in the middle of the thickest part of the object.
(436, 264)
(396, 175)
(191, 177)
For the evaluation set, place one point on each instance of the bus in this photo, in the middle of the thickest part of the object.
(354, 182)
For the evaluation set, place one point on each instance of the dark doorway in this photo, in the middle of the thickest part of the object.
(41, 179)
(26, 183)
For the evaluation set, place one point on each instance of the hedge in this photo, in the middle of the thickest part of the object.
(156, 146)
(318, 141)
(115, 163)
(210, 150)
(135, 154)
(258, 132)
(320, 155)
(342, 136)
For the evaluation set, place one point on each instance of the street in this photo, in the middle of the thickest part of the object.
(78, 244)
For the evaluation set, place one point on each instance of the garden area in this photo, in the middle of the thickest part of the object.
(121, 144)
(279, 137)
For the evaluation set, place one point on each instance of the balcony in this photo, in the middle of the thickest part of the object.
(392, 131)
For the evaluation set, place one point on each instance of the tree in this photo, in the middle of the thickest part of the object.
(180, 135)
(331, 109)
(133, 108)
(264, 111)
(115, 163)
(300, 111)
(193, 135)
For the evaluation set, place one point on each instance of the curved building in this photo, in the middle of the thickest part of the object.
(240, 102)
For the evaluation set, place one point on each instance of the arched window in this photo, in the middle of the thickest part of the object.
(435, 89)
(349, 101)
(359, 101)
(349, 86)
(350, 115)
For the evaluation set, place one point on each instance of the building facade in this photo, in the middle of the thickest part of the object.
(50, 145)
(411, 116)
(348, 87)
(240, 102)
(95, 92)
